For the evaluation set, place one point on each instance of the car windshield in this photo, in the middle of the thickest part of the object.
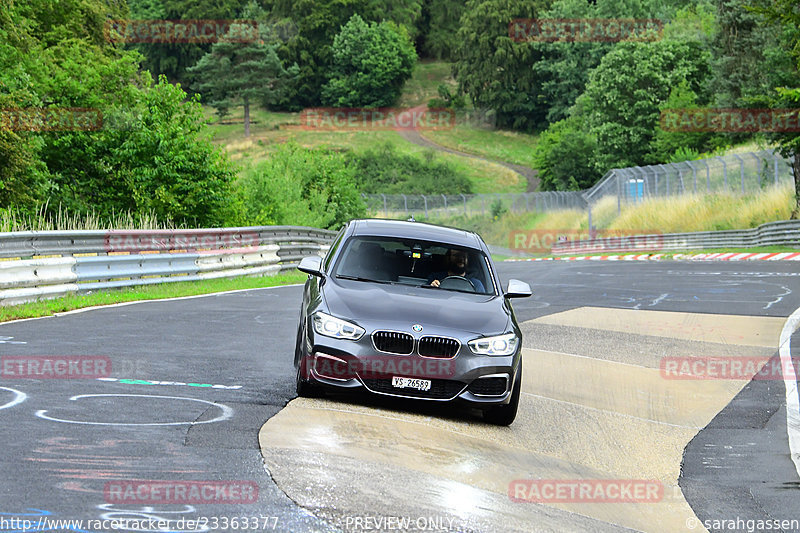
(414, 262)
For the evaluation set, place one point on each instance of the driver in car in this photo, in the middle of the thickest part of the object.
(457, 262)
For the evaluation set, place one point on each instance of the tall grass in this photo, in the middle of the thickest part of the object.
(676, 214)
(707, 212)
(45, 219)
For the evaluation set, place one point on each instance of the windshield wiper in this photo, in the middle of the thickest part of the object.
(357, 278)
(429, 286)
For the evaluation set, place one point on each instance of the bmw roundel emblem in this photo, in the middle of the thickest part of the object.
(417, 327)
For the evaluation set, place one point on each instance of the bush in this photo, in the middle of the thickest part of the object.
(150, 157)
(623, 97)
(564, 156)
(371, 62)
(385, 171)
(299, 186)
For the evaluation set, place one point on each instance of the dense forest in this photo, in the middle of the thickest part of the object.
(594, 105)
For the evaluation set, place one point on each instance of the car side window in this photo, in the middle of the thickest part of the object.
(333, 249)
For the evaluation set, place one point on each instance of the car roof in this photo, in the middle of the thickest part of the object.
(416, 230)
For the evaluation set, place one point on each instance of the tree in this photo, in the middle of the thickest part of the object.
(495, 71)
(666, 143)
(300, 186)
(784, 15)
(317, 22)
(23, 179)
(171, 58)
(148, 156)
(371, 62)
(622, 99)
(242, 74)
(440, 22)
(745, 63)
(170, 167)
(564, 155)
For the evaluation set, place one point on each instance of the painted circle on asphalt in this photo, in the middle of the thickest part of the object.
(18, 398)
(225, 411)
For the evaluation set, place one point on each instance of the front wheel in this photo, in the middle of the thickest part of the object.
(303, 387)
(504, 415)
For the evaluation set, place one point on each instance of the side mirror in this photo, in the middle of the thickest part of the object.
(311, 265)
(517, 289)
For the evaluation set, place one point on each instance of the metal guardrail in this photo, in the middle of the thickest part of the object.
(49, 264)
(782, 233)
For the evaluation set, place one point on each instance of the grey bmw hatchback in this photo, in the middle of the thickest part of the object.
(411, 310)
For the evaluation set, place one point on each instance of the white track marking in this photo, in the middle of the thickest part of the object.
(122, 304)
(790, 381)
(19, 397)
(227, 412)
(657, 300)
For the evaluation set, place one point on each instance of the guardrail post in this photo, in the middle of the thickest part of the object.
(385, 211)
(465, 203)
(445, 202)
(425, 199)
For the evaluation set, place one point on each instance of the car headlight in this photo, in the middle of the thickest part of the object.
(330, 326)
(499, 345)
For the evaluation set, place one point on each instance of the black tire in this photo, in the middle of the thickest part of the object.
(303, 387)
(504, 415)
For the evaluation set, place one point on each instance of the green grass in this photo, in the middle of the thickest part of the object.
(273, 129)
(145, 292)
(269, 129)
(501, 145)
(424, 83)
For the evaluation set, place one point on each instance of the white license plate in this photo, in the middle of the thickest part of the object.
(411, 383)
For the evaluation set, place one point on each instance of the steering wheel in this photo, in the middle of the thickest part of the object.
(457, 282)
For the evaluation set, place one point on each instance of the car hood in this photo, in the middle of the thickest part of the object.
(399, 306)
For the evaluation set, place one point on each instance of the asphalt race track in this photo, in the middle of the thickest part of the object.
(202, 389)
